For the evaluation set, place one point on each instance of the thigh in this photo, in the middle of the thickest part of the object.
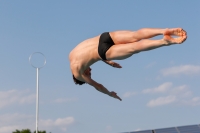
(120, 51)
(123, 37)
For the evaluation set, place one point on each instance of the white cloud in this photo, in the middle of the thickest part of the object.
(138, 129)
(181, 91)
(64, 121)
(60, 123)
(162, 88)
(11, 122)
(179, 94)
(183, 69)
(151, 65)
(65, 100)
(161, 101)
(129, 94)
(108, 128)
(195, 101)
(10, 97)
(8, 129)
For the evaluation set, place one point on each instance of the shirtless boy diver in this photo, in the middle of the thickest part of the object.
(117, 45)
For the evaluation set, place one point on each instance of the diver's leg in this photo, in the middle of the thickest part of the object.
(123, 51)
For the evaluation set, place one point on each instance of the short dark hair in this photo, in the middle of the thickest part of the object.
(76, 81)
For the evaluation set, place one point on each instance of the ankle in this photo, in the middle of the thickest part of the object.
(165, 42)
(164, 31)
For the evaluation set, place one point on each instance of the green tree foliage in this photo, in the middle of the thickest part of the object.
(22, 131)
(40, 131)
(27, 131)
(17, 131)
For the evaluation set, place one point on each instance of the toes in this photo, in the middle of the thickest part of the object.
(181, 39)
(184, 38)
(177, 40)
(179, 32)
(184, 32)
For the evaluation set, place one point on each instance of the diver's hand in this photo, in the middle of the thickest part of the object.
(114, 64)
(114, 94)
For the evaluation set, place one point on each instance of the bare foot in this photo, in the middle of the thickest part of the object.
(182, 36)
(171, 40)
(175, 32)
(114, 94)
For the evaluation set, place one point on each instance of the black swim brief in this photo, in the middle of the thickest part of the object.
(105, 42)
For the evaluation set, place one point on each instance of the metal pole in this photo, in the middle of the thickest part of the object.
(37, 85)
(37, 98)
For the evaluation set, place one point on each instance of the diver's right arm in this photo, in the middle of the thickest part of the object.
(100, 87)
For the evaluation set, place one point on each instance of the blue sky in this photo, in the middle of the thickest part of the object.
(159, 88)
